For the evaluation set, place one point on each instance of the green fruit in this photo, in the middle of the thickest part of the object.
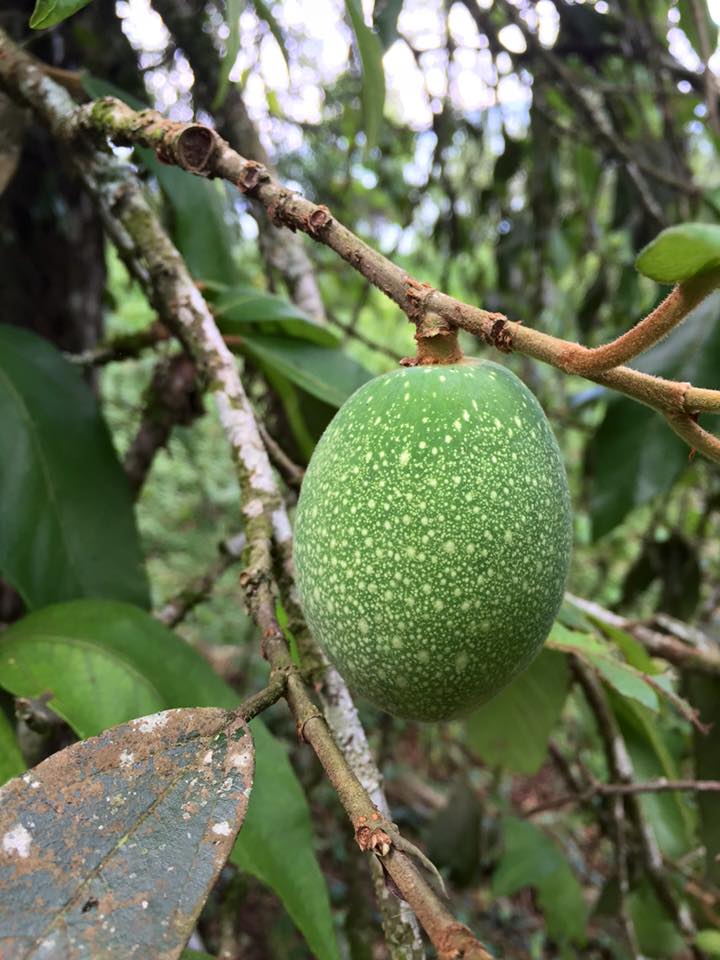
(433, 537)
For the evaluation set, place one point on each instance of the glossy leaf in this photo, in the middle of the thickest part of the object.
(531, 859)
(274, 846)
(513, 729)
(48, 13)
(669, 814)
(105, 663)
(373, 74)
(110, 847)
(11, 760)
(307, 416)
(329, 374)
(240, 310)
(200, 214)
(628, 681)
(67, 527)
(680, 252)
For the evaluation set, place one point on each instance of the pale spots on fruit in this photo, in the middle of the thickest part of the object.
(394, 583)
(363, 626)
(449, 546)
(404, 458)
(457, 425)
(461, 661)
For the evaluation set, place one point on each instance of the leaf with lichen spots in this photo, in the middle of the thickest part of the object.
(110, 848)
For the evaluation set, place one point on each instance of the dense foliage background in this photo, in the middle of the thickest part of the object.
(517, 156)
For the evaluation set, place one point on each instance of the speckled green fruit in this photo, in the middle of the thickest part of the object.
(433, 537)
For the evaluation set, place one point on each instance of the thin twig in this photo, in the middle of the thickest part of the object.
(196, 592)
(662, 785)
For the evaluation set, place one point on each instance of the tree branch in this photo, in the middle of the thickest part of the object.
(705, 658)
(202, 151)
(181, 307)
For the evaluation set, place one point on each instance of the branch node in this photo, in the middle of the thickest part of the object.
(251, 176)
(318, 220)
(500, 336)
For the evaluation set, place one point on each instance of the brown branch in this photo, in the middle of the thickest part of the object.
(662, 785)
(171, 291)
(177, 609)
(200, 150)
(172, 399)
(291, 473)
(704, 658)
(123, 347)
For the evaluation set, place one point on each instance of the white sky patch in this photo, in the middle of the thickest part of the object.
(16, 842)
(222, 829)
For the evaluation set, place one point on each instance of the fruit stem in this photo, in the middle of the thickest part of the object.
(437, 343)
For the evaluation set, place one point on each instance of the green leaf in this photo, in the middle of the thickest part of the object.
(628, 681)
(232, 47)
(67, 527)
(708, 941)
(48, 13)
(306, 432)
(635, 457)
(274, 846)
(680, 252)
(200, 215)
(111, 847)
(385, 18)
(657, 934)
(373, 74)
(239, 310)
(11, 760)
(704, 693)
(105, 663)
(688, 11)
(201, 211)
(669, 814)
(264, 12)
(329, 374)
(512, 730)
(531, 859)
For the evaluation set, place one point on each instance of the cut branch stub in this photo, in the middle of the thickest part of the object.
(110, 848)
(195, 147)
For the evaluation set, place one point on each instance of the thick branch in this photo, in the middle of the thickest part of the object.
(200, 150)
